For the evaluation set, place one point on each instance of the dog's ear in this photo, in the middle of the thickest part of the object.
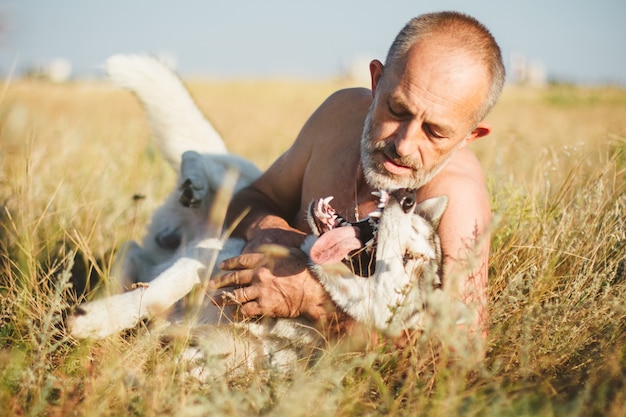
(432, 209)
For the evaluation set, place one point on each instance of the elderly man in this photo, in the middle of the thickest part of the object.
(442, 75)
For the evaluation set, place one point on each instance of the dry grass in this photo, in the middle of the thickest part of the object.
(73, 156)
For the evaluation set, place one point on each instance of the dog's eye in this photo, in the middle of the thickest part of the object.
(413, 256)
(405, 197)
(408, 203)
(409, 256)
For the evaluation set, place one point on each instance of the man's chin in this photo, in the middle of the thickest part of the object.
(387, 181)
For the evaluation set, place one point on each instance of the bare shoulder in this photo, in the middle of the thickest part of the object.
(348, 98)
(343, 108)
(337, 119)
(462, 176)
(468, 214)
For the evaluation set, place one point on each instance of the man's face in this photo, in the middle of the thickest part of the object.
(421, 114)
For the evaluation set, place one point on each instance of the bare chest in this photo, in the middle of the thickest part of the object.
(336, 175)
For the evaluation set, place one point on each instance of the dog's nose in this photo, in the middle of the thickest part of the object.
(406, 198)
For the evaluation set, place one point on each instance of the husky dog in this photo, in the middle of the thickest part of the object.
(382, 278)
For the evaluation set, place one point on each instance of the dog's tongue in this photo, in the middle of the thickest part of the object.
(334, 245)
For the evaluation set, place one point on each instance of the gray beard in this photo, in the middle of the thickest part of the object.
(378, 177)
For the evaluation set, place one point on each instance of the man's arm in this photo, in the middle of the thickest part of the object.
(464, 231)
(260, 211)
(279, 285)
(273, 200)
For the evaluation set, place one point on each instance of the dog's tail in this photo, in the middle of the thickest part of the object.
(176, 121)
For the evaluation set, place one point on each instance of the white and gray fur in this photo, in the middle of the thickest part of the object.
(407, 265)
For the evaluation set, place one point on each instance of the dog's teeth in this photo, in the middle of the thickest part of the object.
(384, 197)
(376, 194)
(376, 213)
(322, 215)
(324, 202)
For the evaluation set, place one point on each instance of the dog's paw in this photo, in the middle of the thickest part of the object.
(84, 323)
(190, 195)
(101, 318)
(194, 184)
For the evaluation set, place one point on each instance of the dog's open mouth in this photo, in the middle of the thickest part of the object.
(353, 244)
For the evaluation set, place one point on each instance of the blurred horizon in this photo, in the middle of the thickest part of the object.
(559, 41)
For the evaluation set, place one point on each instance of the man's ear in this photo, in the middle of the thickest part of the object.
(481, 129)
(376, 72)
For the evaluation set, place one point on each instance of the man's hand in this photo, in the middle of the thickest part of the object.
(286, 237)
(275, 283)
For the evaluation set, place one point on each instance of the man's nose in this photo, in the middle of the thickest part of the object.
(407, 138)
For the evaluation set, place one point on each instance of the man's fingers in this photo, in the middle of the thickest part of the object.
(239, 296)
(232, 279)
(247, 310)
(245, 261)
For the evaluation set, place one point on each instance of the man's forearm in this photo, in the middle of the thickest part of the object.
(252, 215)
(247, 211)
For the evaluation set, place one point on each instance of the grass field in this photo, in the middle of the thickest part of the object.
(74, 158)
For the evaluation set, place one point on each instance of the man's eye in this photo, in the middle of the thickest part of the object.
(430, 132)
(395, 112)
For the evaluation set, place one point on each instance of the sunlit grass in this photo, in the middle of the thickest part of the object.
(78, 174)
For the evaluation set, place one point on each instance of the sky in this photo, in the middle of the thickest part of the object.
(578, 41)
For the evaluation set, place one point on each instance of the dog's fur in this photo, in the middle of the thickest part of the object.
(193, 148)
(406, 266)
(183, 247)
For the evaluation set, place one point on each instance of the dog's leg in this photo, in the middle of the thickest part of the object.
(109, 315)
